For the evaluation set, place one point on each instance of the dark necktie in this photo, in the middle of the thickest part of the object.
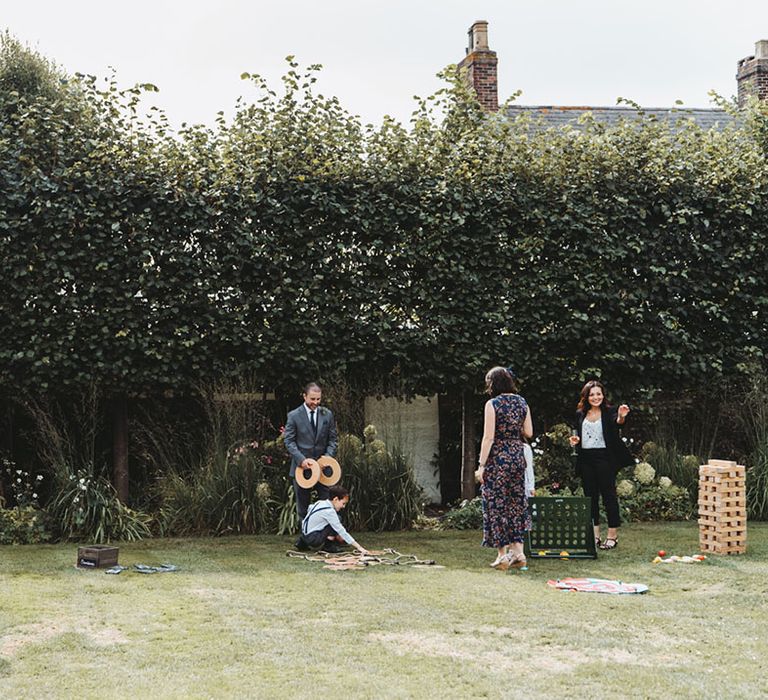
(312, 421)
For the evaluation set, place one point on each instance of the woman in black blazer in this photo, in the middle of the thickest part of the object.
(601, 453)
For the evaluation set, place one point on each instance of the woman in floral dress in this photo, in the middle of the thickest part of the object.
(501, 469)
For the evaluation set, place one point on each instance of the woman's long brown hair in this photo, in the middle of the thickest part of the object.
(583, 404)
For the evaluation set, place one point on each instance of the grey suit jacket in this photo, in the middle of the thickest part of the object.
(302, 442)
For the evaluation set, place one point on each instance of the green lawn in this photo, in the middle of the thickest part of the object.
(242, 620)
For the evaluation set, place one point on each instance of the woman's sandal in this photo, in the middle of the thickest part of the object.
(598, 543)
(610, 543)
(518, 561)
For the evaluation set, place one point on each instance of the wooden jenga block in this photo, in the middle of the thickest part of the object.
(722, 507)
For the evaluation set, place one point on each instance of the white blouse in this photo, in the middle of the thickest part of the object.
(592, 435)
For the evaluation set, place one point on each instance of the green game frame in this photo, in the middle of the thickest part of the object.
(560, 525)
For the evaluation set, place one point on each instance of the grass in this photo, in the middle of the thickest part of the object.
(242, 620)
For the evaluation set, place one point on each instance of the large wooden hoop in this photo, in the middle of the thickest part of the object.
(329, 464)
(308, 476)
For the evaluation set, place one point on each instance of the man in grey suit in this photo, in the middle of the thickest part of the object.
(310, 433)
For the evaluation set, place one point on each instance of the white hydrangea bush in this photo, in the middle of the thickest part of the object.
(644, 473)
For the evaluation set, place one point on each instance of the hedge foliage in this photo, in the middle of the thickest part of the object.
(292, 241)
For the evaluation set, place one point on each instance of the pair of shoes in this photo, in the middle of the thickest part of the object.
(518, 561)
(610, 543)
(503, 563)
(302, 546)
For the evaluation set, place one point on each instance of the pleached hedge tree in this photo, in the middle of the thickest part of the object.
(293, 241)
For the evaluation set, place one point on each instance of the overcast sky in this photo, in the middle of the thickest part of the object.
(378, 54)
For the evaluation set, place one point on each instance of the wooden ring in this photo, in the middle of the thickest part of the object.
(329, 463)
(307, 477)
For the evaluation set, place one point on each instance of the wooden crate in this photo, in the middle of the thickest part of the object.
(96, 556)
(722, 507)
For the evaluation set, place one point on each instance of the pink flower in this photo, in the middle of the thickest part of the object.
(268, 459)
(555, 485)
(282, 429)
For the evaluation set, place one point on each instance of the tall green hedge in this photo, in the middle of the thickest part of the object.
(293, 241)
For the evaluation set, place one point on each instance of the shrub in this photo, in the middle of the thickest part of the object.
(23, 525)
(757, 482)
(668, 461)
(642, 499)
(23, 487)
(244, 489)
(213, 477)
(382, 485)
(656, 503)
(467, 516)
(754, 417)
(644, 473)
(560, 492)
(691, 463)
(553, 461)
(651, 492)
(86, 508)
(26, 522)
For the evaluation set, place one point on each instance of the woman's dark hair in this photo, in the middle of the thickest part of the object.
(499, 381)
(583, 404)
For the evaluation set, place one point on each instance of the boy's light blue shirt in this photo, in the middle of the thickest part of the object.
(323, 513)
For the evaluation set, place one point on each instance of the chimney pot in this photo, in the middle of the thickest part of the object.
(752, 75)
(479, 67)
(478, 36)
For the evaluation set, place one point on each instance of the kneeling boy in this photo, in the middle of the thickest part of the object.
(322, 528)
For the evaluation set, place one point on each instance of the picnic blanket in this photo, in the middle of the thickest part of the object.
(351, 561)
(596, 585)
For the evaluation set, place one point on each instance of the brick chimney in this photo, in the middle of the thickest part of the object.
(752, 74)
(479, 67)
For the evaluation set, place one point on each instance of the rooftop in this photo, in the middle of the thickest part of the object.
(555, 116)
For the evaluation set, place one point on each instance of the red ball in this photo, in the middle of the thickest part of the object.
(662, 553)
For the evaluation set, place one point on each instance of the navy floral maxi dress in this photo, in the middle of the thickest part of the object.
(506, 517)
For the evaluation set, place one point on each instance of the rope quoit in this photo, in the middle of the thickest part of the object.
(347, 561)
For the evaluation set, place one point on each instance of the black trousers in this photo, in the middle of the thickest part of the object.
(303, 495)
(599, 478)
(316, 539)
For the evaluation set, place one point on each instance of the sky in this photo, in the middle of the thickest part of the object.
(378, 54)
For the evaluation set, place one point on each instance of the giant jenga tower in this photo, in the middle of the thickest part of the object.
(722, 507)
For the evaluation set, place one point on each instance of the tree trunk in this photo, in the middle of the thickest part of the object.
(449, 411)
(120, 448)
(468, 446)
